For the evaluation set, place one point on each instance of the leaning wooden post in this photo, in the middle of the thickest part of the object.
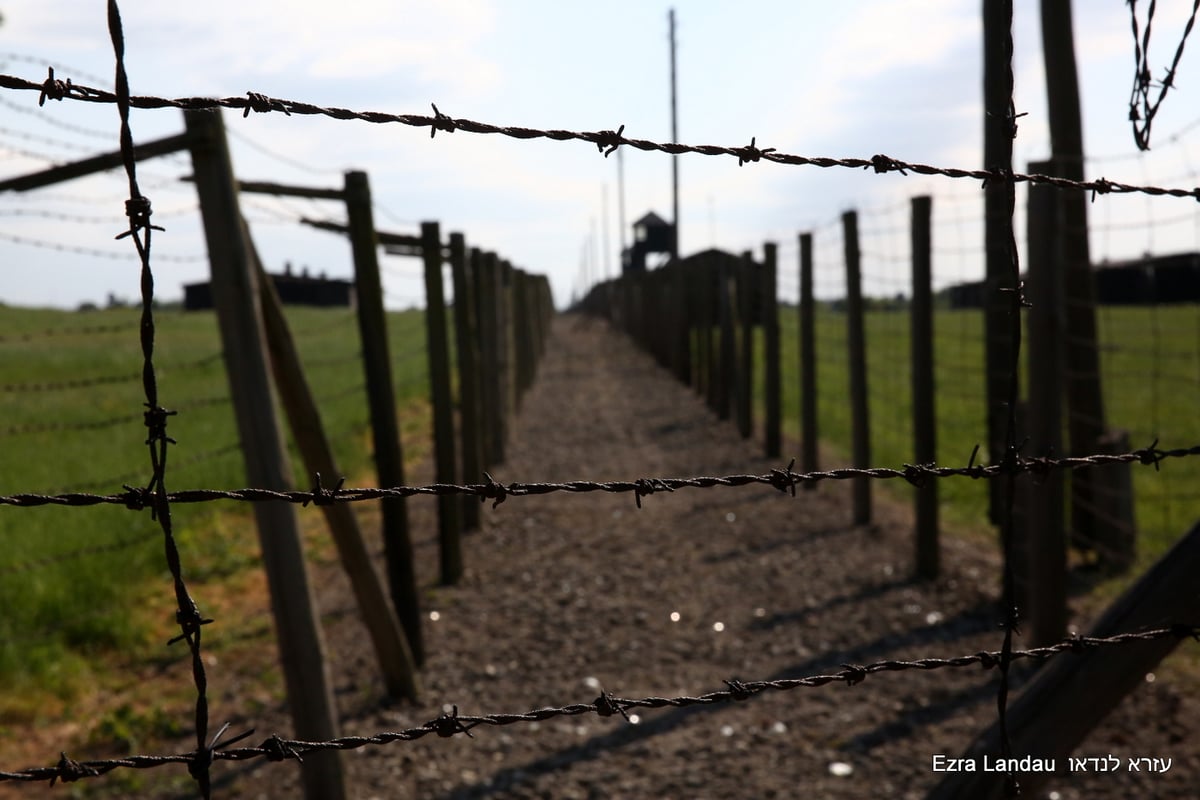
(450, 545)
(389, 459)
(1072, 694)
(808, 362)
(391, 647)
(466, 334)
(235, 296)
(772, 380)
(857, 364)
(924, 412)
(1044, 532)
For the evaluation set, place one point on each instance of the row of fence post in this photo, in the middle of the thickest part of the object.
(697, 317)
(501, 317)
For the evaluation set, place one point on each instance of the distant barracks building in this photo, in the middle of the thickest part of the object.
(296, 290)
(1151, 280)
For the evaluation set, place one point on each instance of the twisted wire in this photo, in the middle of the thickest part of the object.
(276, 748)
(606, 141)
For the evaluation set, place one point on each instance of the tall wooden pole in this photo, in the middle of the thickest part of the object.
(443, 409)
(808, 361)
(235, 296)
(745, 372)
(856, 343)
(1085, 397)
(923, 391)
(389, 458)
(466, 333)
(674, 138)
(1044, 540)
(772, 379)
(998, 131)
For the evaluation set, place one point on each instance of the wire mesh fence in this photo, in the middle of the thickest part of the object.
(163, 501)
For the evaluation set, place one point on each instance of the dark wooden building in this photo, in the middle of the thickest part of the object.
(298, 290)
(1149, 280)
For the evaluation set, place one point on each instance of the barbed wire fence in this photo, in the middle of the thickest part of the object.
(155, 495)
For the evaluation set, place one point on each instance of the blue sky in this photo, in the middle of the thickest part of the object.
(832, 79)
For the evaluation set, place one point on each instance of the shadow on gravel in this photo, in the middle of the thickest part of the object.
(907, 722)
(979, 619)
(786, 541)
(851, 598)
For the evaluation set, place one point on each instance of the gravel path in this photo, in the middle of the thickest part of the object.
(567, 595)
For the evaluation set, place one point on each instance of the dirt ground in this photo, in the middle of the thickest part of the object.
(566, 595)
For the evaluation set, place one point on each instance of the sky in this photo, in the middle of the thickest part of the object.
(848, 79)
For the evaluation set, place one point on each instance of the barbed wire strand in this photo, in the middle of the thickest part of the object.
(100, 380)
(87, 330)
(607, 141)
(1141, 110)
(187, 615)
(784, 480)
(276, 748)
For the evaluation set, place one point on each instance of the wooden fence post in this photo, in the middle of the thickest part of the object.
(450, 545)
(808, 362)
(387, 637)
(772, 380)
(728, 353)
(746, 286)
(710, 350)
(389, 457)
(235, 297)
(466, 334)
(999, 346)
(683, 298)
(857, 365)
(504, 338)
(1042, 535)
(923, 392)
(1074, 692)
(489, 351)
(522, 333)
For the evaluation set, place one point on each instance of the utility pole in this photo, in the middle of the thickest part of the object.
(621, 202)
(674, 138)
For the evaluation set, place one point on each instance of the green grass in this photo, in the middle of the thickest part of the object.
(62, 607)
(1150, 364)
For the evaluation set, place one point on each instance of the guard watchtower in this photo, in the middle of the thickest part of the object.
(651, 234)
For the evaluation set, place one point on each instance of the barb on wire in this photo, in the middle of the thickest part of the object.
(276, 748)
(1142, 109)
(498, 492)
(605, 140)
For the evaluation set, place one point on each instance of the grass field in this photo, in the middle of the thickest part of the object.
(1150, 361)
(73, 581)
